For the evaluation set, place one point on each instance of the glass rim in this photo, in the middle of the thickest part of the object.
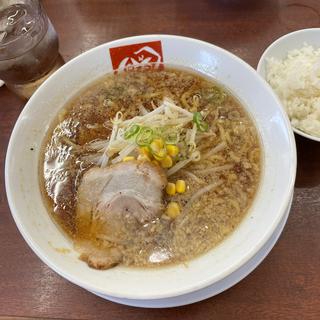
(40, 15)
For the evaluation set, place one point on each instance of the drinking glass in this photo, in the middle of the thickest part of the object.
(29, 47)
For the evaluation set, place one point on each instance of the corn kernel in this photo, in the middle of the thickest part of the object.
(143, 157)
(160, 142)
(171, 189)
(173, 210)
(172, 150)
(156, 145)
(181, 186)
(144, 151)
(166, 162)
(128, 158)
(160, 155)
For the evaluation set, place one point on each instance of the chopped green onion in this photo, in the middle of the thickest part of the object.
(144, 137)
(197, 117)
(171, 137)
(198, 120)
(203, 127)
(131, 131)
(158, 131)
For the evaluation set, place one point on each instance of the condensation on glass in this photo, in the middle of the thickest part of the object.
(29, 47)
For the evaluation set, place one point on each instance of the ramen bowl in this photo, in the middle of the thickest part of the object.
(138, 286)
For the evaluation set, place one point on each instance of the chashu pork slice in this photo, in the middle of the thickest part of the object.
(113, 203)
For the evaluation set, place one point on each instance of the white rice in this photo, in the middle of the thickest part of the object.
(296, 80)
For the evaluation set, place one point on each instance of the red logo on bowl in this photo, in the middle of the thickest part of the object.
(140, 55)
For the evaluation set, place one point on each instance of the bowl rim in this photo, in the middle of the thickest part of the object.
(179, 291)
(263, 58)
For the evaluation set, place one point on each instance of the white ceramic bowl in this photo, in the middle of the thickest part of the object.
(279, 49)
(265, 215)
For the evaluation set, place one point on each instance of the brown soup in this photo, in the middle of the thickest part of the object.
(115, 153)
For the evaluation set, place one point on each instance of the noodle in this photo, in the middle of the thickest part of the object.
(235, 204)
(215, 169)
(193, 176)
(218, 148)
(200, 193)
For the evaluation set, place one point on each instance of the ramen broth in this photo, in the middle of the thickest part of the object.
(220, 167)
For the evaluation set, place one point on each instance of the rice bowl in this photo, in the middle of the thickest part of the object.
(292, 71)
